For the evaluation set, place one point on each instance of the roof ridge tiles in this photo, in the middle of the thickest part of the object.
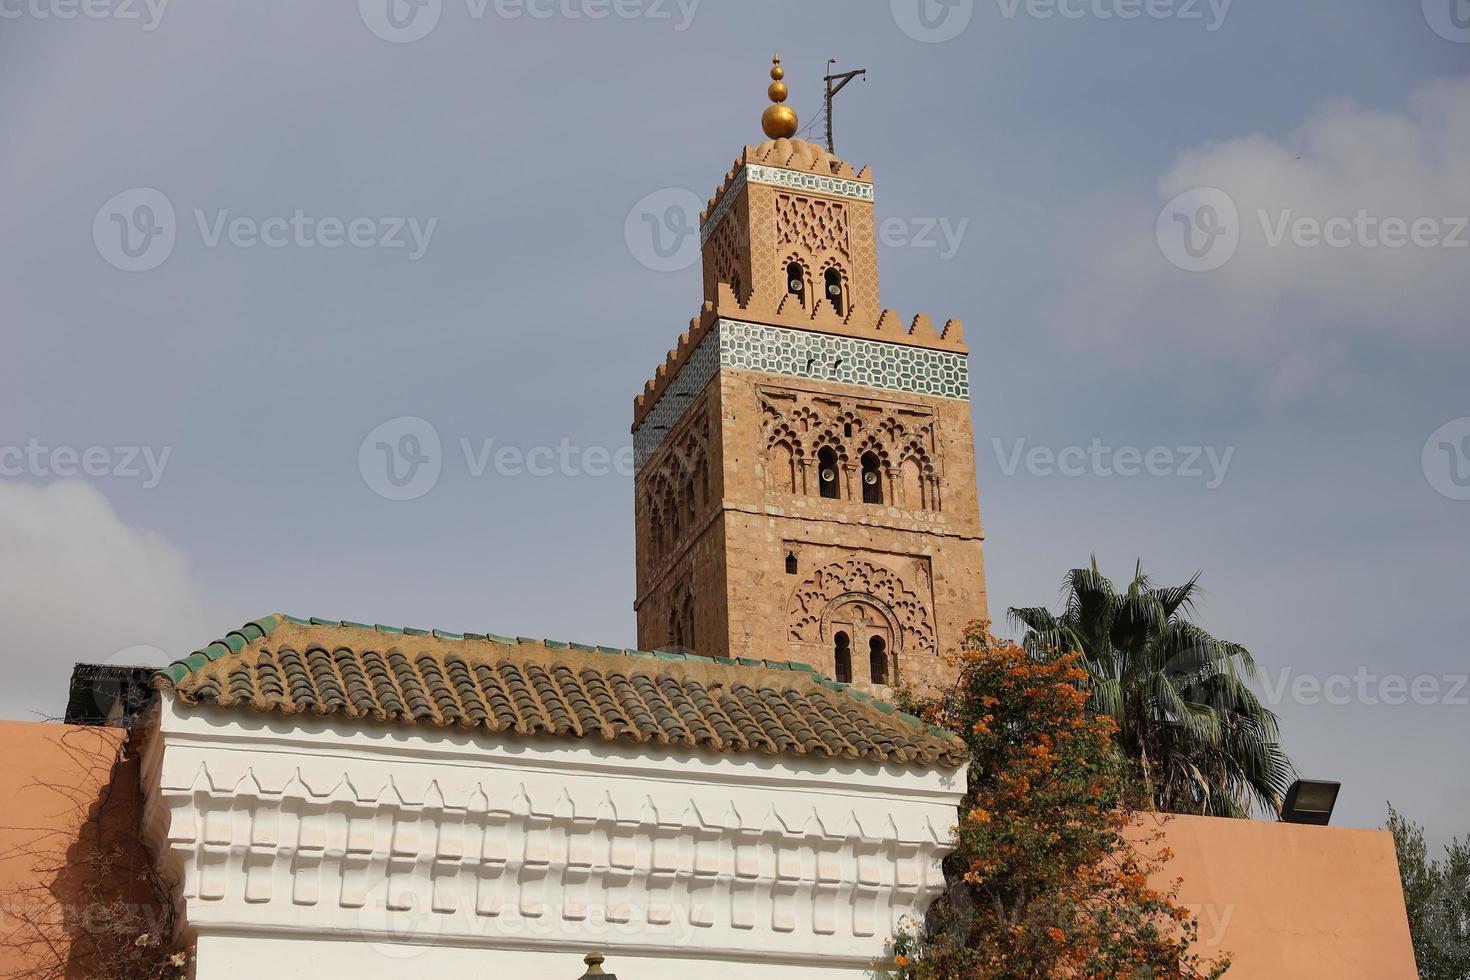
(220, 688)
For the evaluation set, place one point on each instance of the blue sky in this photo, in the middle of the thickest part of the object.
(1328, 379)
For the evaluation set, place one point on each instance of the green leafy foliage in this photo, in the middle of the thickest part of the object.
(1198, 738)
(1437, 898)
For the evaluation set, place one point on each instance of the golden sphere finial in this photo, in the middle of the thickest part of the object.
(779, 120)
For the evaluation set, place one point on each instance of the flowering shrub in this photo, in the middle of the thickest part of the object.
(1043, 882)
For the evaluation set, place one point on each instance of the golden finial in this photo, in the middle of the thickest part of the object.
(779, 120)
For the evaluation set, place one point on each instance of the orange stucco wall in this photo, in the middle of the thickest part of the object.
(1291, 901)
(53, 779)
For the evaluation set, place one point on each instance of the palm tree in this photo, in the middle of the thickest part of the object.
(1201, 740)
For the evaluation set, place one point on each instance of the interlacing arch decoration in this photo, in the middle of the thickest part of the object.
(676, 485)
(725, 256)
(800, 431)
(818, 226)
(839, 584)
(918, 483)
(785, 456)
(805, 418)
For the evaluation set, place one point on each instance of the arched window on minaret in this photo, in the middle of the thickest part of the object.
(843, 655)
(796, 282)
(911, 474)
(834, 291)
(872, 479)
(878, 660)
(827, 474)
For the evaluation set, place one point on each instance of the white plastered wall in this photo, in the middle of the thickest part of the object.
(310, 849)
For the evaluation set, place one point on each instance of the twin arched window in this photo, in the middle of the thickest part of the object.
(872, 479)
(796, 282)
(827, 473)
(843, 655)
(877, 659)
(833, 280)
(831, 286)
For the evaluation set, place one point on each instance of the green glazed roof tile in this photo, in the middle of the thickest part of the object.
(238, 640)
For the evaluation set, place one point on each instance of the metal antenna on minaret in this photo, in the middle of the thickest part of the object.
(836, 83)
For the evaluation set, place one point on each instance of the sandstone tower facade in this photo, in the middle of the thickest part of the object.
(805, 471)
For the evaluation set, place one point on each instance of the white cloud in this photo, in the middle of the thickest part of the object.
(1288, 302)
(78, 584)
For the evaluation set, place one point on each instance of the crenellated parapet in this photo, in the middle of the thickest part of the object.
(887, 327)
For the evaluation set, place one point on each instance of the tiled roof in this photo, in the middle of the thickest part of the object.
(540, 687)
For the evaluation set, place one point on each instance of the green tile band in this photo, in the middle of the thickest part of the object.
(739, 346)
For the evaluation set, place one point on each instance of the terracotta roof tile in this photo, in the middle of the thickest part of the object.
(534, 687)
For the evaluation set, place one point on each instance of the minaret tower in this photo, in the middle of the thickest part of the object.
(805, 483)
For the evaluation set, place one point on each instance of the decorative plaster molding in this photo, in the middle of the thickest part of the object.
(303, 825)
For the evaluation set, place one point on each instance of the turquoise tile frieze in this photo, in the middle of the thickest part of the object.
(741, 346)
(727, 201)
(815, 183)
(779, 177)
(697, 372)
